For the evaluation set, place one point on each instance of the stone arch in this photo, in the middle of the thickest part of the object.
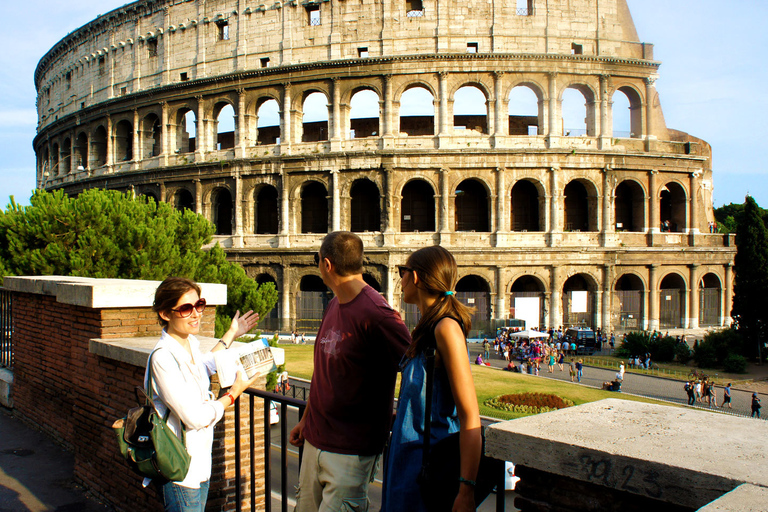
(224, 125)
(580, 205)
(183, 199)
(672, 288)
(371, 280)
(268, 129)
(526, 112)
(629, 206)
(65, 167)
(271, 322)
(99, 146)
(312, 297)
(627, 124)
(470, 108)
(222, 209)
(417, 206)
(527, 205)
(710, 300)
(55, 168)
(527, 301)
(628, 301)
(315, 120)
(471, 206)
(266, 210)
(314, 207)
(123, 141)
(184, 139)
(81, 152)
(572, 110)
(673, 201)
(416, 113)
(364, 113)
(365, 210)
(151, 136)
(475, 291)
(580, 301)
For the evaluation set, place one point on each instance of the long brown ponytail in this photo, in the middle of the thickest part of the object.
(436, 268)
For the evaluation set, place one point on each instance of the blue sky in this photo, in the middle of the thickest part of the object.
(712, 83)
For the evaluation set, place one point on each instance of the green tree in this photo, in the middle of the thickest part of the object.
(751, 276)
(727, 216)
(108, 234)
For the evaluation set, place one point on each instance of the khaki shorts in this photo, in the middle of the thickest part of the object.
(333, 482)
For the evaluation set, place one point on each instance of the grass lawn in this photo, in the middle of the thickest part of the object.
(489, 383)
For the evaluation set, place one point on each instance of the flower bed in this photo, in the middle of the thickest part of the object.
(529, 403)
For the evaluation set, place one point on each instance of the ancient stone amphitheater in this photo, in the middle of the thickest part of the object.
(411, 122)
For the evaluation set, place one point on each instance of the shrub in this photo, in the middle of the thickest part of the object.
(717, 347)
(634, 344)
(704, 355)
(663, 349)
(683, 353)
(735, 363)
(529, 403)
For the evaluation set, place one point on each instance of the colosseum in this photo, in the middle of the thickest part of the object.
(412, 123)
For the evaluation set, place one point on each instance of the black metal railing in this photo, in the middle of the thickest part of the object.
(6, 329)
(284, 401)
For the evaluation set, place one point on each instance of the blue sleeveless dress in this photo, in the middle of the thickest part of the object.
(401, 489)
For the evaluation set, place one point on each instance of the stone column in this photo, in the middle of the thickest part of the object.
(286, 137)
(608, 224)
(693, 293)
(138, 147)
(444, 203)
(388, 129)
(165, 135)
(335, 201)
(502, 222)
(200, 135)
(110, 146)
(654, 214)
(285, 219)
(555, 298)
(606, 130)
(653, 298)
(285, 300)
(554, 129)
(501, 122)
(389, 207)
(199, 197)
(693, 205)
(163, 192)
(238, 232)
(389, 279)
(727, 296)
(650, 92)
(442, 77)
(605, 323)
(555, 226)
(501, 294)
(336, 124)
(241, 121)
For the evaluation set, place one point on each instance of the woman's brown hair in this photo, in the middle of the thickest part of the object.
(436, 268)
(168, 294)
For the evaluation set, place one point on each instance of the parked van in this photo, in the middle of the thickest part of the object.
(585, 340)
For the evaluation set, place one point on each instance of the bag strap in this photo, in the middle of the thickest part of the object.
(149, 393)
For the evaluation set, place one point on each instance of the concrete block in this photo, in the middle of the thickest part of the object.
(677, 455)
(744, 498)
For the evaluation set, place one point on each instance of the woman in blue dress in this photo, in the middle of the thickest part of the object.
(428, 280)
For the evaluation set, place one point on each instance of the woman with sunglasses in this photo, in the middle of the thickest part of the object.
(428, 280)
(181, 382)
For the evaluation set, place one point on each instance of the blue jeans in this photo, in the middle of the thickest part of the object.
(184, 499)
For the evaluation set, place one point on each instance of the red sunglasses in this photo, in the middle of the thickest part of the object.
(186, 309)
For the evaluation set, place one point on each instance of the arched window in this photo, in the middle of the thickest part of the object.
(371, 281)
(268, 122)
(225, 127)
(222, 211)
(628, 302)
(710, 293)
(183, 199)
(579, 302)
(528, 302)
(365, 214)
(524, 111)
(151, 136)
(81, 151)
(123, 141)
(99, 145)
(524, 214)
(672, 208)
(627, 113)
(267, 211)
(417, 208)
(629, 205)
(364, 114)
(417, 112)
(470, 110)
(55, 167)
(311, 300)
(471, 206)
(315, 119)
(186, 132)
(66, 157)
(271, 322)
(576, 113)
(577, 214)
(671, 295)
(474, 292)
(314, 208)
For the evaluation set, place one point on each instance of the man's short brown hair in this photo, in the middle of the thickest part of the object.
(345, 251)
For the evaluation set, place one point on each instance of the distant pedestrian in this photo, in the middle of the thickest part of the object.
(579, 370)
(755, 405)
(621, 370)
(561, 360)
(689, 390)
(573, 370)
(727, 396)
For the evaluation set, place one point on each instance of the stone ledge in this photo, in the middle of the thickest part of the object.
(102, 293)
(744, 498)
(672, 454)
(135, 351)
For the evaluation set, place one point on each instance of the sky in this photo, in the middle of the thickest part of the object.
(712, 83)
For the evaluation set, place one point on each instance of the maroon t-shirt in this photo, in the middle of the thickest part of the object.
(357, 353)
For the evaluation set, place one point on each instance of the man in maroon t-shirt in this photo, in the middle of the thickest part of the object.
(357, 354)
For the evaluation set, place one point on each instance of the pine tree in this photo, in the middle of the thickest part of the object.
(108, 234)
(751, 276)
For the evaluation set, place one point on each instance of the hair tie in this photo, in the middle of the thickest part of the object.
(445, 294)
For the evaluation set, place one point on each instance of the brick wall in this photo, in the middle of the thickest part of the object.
(74, 396)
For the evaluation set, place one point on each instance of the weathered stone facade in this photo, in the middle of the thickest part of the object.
(529, 210)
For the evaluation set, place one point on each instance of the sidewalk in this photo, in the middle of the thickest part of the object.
(36, 474)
